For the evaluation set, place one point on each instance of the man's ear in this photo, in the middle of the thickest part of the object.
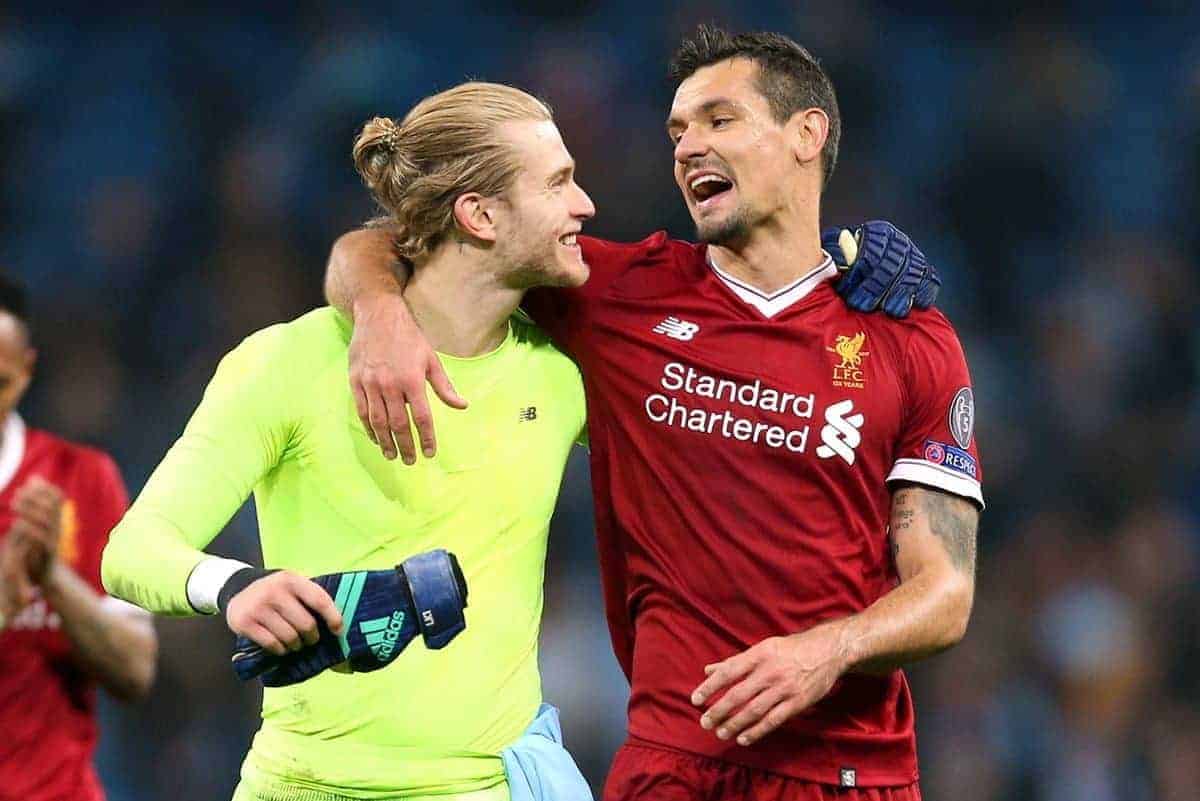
(808, 130)
(476, 216)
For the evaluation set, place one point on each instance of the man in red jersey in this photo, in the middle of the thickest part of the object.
(815, 464)
(60, 634)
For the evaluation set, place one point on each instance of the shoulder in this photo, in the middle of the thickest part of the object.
(304, 344)
(651, 266)
(656, 248)
(69, 455)
(923, 329)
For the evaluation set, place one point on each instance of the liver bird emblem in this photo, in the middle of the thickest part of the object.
(850, 349)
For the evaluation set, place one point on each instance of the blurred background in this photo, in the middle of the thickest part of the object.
(171, 182)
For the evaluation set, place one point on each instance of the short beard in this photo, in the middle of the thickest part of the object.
(731, 231)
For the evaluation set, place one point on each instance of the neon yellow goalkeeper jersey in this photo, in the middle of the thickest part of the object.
(278, 419)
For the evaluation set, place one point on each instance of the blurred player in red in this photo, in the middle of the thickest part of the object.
(60, 634)
(787, 490)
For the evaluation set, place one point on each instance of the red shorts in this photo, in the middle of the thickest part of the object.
(643, 772)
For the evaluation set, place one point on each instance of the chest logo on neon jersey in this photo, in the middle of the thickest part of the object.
(683, 330)
(841, 434)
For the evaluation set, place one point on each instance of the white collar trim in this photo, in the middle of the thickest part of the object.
(775, 302)
(12, 451)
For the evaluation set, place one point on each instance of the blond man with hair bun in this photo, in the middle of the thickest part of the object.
(480, 192)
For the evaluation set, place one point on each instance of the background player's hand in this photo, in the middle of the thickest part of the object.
(37, 526)
(390, 361)
(769, 683)
(881, 266)
(277, 612)
(17, 588)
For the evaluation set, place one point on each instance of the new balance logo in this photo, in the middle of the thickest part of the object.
(841, 434)
(677, 329)
(382, 633)
(527, 414)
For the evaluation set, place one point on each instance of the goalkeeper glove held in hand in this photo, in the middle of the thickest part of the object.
(382, 612)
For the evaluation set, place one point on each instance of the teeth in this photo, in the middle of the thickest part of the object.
(705, 179)
(568, 239)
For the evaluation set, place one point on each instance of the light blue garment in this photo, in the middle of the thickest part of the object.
(538, 765)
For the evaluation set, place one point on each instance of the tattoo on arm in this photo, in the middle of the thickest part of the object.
(953, 520)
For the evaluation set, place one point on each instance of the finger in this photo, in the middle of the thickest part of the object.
(753, 711)
(39, 518)
(263, 637)
(733, 700)
(299, 618)
(400, 429)
(377, 422)
(317, 600)
(721, 674)
(362, 408)
(285, 632)
(442, 386)
(927, 291)
(423, 419)
(849, 246)
(775, 717)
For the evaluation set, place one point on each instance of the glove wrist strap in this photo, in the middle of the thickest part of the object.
(439, 594)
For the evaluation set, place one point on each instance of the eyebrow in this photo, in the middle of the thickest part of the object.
(706, 107)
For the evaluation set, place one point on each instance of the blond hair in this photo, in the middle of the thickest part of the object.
(445, 146)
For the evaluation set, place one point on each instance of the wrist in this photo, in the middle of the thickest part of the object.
(208, 578)
(54, 579)
(847, 643)
(379, 301)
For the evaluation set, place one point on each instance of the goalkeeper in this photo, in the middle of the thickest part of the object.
(482, 196)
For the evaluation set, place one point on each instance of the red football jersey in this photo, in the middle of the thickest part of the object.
(740, 469)
(47, 704)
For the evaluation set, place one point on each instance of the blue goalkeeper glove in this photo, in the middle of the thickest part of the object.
(382, 612)
(885, 268)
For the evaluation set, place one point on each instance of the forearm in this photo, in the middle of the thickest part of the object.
(933, 541)
(363, 267)
(116, 645)
(921, 617)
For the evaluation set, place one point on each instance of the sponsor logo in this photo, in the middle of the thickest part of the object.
(949, 456)
(382, 633)
(37, 616)
(841, 434)
(526, 414)
(849, 373)
(675, 328)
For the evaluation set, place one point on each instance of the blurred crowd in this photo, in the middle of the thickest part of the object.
(169, 184)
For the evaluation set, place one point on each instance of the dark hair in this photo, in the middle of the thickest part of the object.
(789, 77)
(13, 299)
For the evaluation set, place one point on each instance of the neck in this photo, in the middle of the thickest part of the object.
(775, 253)
(461, 307)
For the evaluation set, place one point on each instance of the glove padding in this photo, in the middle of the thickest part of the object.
(382, 612)
(885, 267)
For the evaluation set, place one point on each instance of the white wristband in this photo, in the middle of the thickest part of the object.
(206, 581)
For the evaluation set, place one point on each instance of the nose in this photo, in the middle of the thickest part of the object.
(582, 206)
(690, 145)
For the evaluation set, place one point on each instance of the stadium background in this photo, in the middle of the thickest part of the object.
(170, 183)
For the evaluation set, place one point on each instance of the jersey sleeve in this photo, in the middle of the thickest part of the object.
(937, 445)
(240, 431)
